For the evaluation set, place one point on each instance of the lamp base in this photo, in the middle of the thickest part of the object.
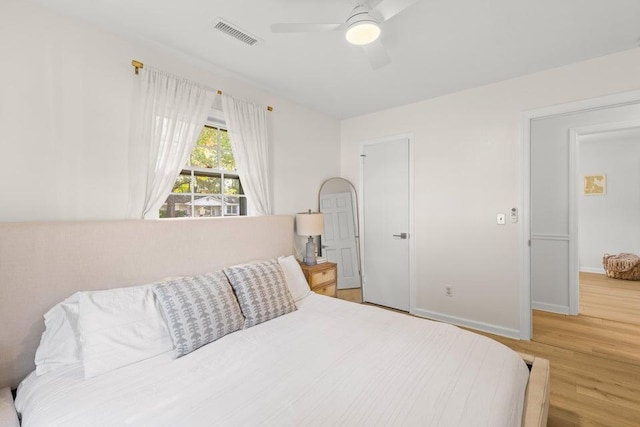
(310, 254)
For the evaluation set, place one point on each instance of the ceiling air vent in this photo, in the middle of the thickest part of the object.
(231, 30)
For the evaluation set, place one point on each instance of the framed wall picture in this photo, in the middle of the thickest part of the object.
(595, 185)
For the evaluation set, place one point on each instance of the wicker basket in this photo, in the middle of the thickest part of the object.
(622, 266)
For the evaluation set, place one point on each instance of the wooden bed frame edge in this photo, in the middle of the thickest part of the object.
(536, 398)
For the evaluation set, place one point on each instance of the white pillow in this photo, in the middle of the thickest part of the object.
(59, 344)
(293, 275)
(119, 327)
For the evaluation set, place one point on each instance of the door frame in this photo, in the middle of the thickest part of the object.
(411, 231)
(603, 102)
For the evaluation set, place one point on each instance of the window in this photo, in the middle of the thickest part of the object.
(208, 185)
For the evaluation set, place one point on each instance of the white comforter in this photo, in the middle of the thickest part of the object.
(329, 363)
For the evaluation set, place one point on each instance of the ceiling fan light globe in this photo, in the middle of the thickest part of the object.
(362, 33)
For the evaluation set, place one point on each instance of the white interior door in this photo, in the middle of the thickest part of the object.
(386, 223)
(339, 238)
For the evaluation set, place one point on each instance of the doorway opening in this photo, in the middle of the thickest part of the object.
(549, 257)
(608, 210)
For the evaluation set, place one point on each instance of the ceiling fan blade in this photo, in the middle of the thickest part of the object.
(390, 8)
(377, 54)
(304, 28)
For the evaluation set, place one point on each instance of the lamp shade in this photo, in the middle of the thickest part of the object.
(309, 224)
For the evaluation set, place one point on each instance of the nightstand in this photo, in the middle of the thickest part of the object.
(322, 278)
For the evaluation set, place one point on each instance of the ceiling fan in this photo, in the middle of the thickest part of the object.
(362, 27)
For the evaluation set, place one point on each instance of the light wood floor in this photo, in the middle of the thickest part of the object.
(611, 299)
(595, 361)
(595, 368)
(353, 295)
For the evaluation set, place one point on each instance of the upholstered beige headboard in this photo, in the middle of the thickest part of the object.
(43, 263)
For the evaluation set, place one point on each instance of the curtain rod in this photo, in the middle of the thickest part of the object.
(137, 65)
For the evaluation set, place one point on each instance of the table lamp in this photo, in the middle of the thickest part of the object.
(310, 224)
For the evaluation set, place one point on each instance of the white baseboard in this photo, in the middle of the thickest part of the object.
(598, 270)
(553, 308)
(459, 321)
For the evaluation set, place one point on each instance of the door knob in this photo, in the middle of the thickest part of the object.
(401, 235)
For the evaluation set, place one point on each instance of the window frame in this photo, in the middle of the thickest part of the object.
(216, 172)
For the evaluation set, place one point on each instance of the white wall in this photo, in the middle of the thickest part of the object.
(610, 223)
(66, 92)
(466, 171)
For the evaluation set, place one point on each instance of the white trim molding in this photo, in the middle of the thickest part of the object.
(552, 308)
(524, 231)
(472, 324)
(597, 270)
(557, 237)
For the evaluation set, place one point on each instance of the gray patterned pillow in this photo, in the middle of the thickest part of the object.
(198, 310)
(261, 291)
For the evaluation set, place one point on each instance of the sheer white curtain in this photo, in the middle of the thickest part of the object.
(247, 126)
(172, 112)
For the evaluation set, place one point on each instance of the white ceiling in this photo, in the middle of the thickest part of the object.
(436, 46)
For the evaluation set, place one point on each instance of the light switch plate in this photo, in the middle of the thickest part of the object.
(501, 219)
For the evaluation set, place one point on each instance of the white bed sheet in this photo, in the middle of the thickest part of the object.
(329, 363)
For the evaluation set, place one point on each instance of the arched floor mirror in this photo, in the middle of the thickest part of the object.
(340, 242)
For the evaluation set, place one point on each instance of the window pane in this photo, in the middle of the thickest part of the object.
(226, 155)
(232, 186)
(176, 206)
(224, 140)
(203, 157)
(207, 206)
(231, 206)
(207, 184)
(227, 161)
(182, 184)
(208, 137)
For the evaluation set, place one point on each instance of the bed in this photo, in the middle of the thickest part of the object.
(329, 362)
